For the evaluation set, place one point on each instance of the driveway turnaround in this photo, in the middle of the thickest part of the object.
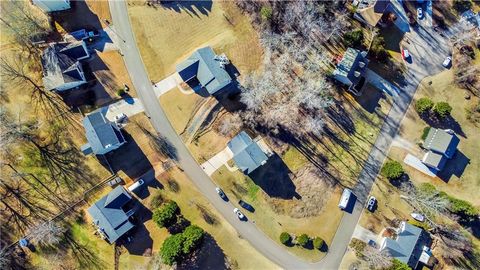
(430, 52)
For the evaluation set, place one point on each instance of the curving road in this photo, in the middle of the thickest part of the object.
(248, 230)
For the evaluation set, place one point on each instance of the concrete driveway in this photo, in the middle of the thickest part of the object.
(365, 235)
(380, 83)
(217, 161)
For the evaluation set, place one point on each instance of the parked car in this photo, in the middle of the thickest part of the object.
(221, 193)
(446, 63)
(347, 193)
(372, 243)
(239, 214)
(115, 181)
(136, 185)
(246, 206)
(418, 217)
(405, 54)
(120, 118)
(419, 13)
(371, 203)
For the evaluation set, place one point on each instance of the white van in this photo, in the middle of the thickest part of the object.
(347, 193)
(136, 185)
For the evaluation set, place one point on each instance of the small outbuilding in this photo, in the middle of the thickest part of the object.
(103, 136)
(247, 153)
(206, 69)
(111, 214)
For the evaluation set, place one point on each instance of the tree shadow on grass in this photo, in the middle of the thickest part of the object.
(208, 256)
(85, 257)
(443, 123)
(190, 7)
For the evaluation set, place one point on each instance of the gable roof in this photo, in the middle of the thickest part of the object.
(203, 65)
(108, 215)
(434, 160)
(441, 141)
(408, 245)
(100, 132)
(247, 154)
(353, 61)
(60, 64)
(372, 14)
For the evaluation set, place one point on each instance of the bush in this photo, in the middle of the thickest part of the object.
(377, 50)
(120, 92)
(192, 236)
(462, 5)
(285, 238)
(266, 13)
(425, 132)
(302, 240)
(318, 243)
(392, 170)
(171, 248)
(427, 188)
(157, 200)
(461, 207)
(166, 215)
(419, 224)
(398, 265)
(442, 109)
(423, 105)
(358, 246)
(353, 38)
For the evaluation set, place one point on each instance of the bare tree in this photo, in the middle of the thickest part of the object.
(377, 259)
(230, 125)
(429, 203)
(47, 234)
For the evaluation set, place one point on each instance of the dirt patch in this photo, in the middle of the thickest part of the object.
(315, 191)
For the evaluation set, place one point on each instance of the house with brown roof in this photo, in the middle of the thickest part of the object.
(370, 12)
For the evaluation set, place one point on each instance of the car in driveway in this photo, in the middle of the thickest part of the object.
(419, 13)
(447, 62)
(221, 193)
(239, 214)
(405, 54)
(371, 203)
(135, 186)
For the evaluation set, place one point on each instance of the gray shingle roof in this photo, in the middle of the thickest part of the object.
(202, 65)
(247, 155)
(440, 141)
(408, 246)
(100, 132)
(60, 64)
(108, 215)
(434, 160)
(351, 63)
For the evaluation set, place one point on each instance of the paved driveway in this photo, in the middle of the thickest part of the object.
(217, 161)
(365, 235)
(381, 84)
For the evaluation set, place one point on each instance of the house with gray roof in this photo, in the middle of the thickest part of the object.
(351, 69)
(52, 5)
(112, 214)
(441, 141)
(247, 153)
(206, 69)
(434, 161)
(410, 246)
(102, 135)
(61, 67)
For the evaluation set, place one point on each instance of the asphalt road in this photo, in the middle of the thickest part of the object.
(419, 47)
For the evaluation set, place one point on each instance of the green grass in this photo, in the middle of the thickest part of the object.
(425, 132)
(294, 159)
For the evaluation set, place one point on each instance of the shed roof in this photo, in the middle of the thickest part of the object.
(203, 65)
(434, 160)
(441, 141)
(247, 154)
(108, 215)
(100, 132)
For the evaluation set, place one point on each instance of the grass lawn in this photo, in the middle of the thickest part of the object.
(180, 107)
(169, 33)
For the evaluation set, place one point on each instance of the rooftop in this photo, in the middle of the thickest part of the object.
(100, 132)
(204, 65)
(434, 160)
(247, 154)
(371, 14)
(351, 65)
(441, 141)
(109, 216)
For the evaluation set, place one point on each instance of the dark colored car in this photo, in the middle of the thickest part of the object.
(371, 204)
(246, 206)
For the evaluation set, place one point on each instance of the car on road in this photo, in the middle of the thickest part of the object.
(405, 54)
(239, 214)
(446, 63)
(371, 203)
(246, 206)
(136, 185)
(419, 13)
(221, 193)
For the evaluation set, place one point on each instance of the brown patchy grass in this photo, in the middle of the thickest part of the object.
(179, 107)
(166, 37)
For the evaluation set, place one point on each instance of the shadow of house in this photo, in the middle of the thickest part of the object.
(191, 7)
(112, 214)
(274, 178)
(78, 17)
(141, 243)
(456, 167)
(205, 72)
(370, 99)
(208, 256)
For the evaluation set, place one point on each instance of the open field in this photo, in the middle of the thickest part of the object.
(167, 34)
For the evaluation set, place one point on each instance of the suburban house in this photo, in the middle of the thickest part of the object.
(370, 12)
(103, 136)
(52, 5)
(61, 67)
(410, 246)
(248, 154)
(351, 69)
(112, 214)
(205, 69)
(442, 145)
